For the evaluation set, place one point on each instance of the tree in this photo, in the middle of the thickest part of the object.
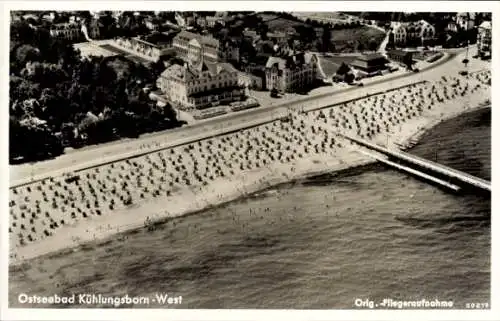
(326, 39)
(262, 30)
(31, 141)
(51, 89)
(26, 53)
(349, 77)
(408, 61)
(390, 41)
(343, 69)
(373, 45)
(22, 89)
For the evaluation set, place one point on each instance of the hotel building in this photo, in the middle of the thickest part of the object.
(200, 84)
(292, 72)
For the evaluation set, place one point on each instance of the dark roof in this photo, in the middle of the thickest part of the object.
(370, 57)
(291, 61)
(399, 52)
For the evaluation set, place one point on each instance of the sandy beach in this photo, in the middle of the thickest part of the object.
(66, 211)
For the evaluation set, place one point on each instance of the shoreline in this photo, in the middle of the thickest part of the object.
(128, 222)
(412, 140)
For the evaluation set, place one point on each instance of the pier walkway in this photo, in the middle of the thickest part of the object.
(422, 163)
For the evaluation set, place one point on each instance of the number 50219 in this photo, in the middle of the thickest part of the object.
(477, 306)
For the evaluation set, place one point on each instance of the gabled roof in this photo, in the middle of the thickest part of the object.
(291, 61)
(188, 73)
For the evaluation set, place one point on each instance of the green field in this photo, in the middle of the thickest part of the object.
(331, 64)
(347, 40)
(281, 24)
(275, 23)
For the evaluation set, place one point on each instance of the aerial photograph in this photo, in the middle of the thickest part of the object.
(249, 160)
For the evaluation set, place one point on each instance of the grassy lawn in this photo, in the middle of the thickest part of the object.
(329, 68)
(331, 64)
(322, 14)
(347, 40)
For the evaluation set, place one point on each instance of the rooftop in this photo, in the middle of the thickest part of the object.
(205, 40)
(187, 73)
(370, 57)
(291, 61)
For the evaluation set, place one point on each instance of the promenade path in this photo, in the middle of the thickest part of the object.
(89, 156)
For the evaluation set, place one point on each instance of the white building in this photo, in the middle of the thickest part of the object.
(187, 43)
(399, 31)
(70, 31)
(292, 72)
(413, 33)
(452, 26)
(465, 20)
(200, 84)
(484, 39)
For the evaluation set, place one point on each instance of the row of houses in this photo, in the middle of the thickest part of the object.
(421, 33)
(207, 79)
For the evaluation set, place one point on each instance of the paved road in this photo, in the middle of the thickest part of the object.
(73, 160)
